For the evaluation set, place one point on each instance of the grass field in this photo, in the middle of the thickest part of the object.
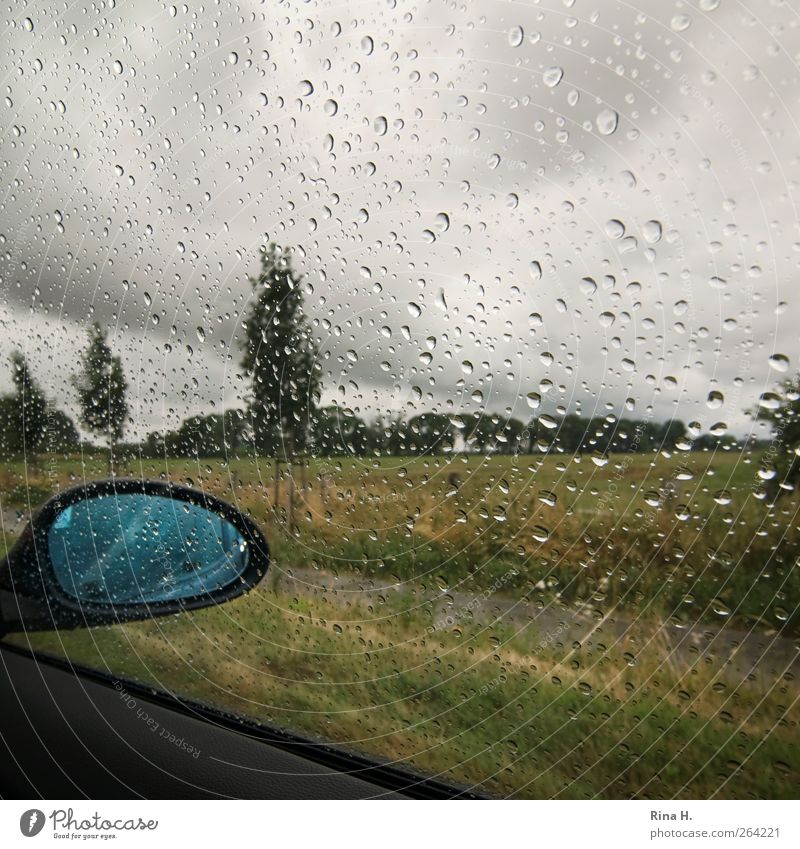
(654, 654)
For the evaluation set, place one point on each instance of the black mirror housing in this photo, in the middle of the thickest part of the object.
(44, 584)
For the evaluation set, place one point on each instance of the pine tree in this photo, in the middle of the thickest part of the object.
(102, 389)
(280, 357)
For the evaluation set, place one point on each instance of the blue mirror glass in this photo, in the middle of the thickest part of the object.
(136, 548)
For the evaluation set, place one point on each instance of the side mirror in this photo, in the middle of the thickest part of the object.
(120, 550)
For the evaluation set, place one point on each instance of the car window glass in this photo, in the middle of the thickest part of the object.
(484, 312)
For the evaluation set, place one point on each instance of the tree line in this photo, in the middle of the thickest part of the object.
(337, 431)
(283, 416)
(31, 423)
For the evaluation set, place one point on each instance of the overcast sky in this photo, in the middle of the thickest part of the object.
(449, 175)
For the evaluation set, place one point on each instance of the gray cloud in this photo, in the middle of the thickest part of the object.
(148, 155)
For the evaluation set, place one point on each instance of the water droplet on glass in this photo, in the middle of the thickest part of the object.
(769, 401)
(306, 88)
(779, 362)
(606, 121)
(651, 230)
(552, 77)
(516, 35)
(680, 23)
(540, 533)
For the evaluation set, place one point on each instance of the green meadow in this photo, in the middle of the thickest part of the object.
(538, 626)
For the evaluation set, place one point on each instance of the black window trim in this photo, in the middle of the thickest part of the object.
(386, 775)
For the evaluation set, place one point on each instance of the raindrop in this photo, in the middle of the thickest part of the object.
(720, 608)
(715, 400)
(680, 23)
(516, 35)
(779, 362)
(540, 533)
(553, 76)
(606, 121)
(535, 269)
(534, 399)
(615, 229)
(306, 88)
(381, 125)
(769, 401)
(233, 58)
(651, 230)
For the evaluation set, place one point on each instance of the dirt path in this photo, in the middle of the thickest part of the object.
(742, 651)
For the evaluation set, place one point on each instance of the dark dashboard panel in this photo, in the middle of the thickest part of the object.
(63, 735)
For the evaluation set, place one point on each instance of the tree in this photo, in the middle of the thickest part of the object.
(29, 423)
(102, 389)
(509, 437)
(479, 431)
(338, 430)
(781, 409)
(430, 433)
(280, 357)
(29, 419)
(61, 435)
